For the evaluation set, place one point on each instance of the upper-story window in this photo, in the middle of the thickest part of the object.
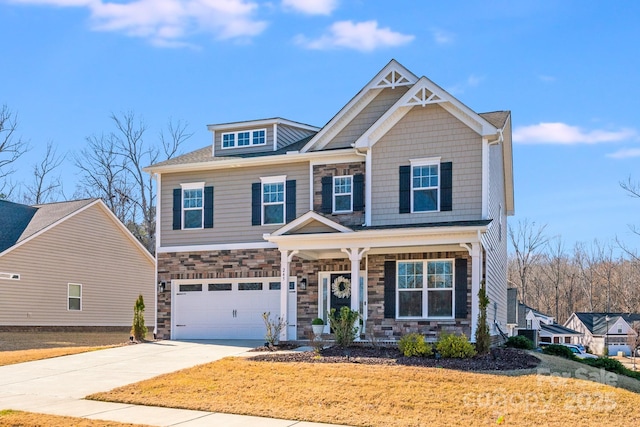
(192, 205)
(342, 194)
(244, 138)
(273, 200)
(425, 185)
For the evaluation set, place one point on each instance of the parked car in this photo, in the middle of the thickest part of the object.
(580, 353)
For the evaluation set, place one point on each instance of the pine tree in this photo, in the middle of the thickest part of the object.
(138, 330)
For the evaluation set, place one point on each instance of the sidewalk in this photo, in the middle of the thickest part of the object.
(57, 386)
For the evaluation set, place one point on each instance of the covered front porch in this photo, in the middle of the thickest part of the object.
(367, 269)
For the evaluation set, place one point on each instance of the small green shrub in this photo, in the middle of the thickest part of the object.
(343, 325)
(483, 336)
(317, 321)
(455, 346)
(138, 329)
(558, 350)
(414, 345)
(520, 341)
(611, 365)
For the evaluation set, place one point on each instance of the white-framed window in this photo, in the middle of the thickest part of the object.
(273, 199)
(192, 205)
(425, 289)
(425, 185)
(244, 138)
(74, 297)
(342, 194)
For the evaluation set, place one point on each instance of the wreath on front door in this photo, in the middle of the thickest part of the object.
(341, 287)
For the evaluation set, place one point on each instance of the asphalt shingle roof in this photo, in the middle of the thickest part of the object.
(597, 322)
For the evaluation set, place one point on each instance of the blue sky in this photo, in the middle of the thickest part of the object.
(567, 70)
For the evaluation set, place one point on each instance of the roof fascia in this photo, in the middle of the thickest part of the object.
(359, 102)
(346, 154)
(306, 219)
(263, 122)
(49, 227)
(410, 236)
(507, 155)
(416, 96)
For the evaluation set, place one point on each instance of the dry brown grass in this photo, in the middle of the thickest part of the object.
(373, 395)
(27, 419)
(18, 347)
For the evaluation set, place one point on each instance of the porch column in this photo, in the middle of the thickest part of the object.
(285, 262)
(355, 256)
(476, 275)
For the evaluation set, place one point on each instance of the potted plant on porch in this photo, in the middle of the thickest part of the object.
(317, 325)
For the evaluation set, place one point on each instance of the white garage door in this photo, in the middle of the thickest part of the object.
(226, 308)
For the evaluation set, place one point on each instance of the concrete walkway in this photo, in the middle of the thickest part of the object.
(57, 386)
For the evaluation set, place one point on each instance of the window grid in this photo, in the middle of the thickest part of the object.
(342, 194)
(425, 289)
(192, 207)
(273, 203)
(425, 186)
(244, 138)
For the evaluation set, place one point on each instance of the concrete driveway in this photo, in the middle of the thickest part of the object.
(58, 385)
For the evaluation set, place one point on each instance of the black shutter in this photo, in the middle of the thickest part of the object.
(177, 208)
(327, 195)
(389, 289)
(358, 192)
(405, 189)
(446, 186)
(208, 207)
(291, 200)
(461, 288)
(256, 203)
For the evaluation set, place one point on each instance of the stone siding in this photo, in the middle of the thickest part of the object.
(341, 169)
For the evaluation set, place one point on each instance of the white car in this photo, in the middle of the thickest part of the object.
(579, 352)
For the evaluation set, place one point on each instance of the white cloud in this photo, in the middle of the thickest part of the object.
(169, 22)
(562, 133)
(311, 7)
(362, 36)
(625, 153)
(546, 78)
(442, 37)
(472, 81)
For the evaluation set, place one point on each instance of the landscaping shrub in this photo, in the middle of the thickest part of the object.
(138, 329)
(520, 341)
(273, 328)
(343, 325)
(611, 365)
(483, 337)
(558, 350)
(414, 345)
(455, 346)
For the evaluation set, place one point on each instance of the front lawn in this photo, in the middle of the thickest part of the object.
(375, 395)
(10, 418)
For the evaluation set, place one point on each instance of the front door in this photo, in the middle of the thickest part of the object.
(335, 292)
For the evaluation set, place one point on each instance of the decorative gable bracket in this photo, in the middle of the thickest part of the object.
(393, 79)
(423, 97)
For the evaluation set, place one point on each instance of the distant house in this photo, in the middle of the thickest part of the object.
(521, 317)
(70, 264)
(600, 329)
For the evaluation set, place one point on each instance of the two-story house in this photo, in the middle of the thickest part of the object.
(397, 208)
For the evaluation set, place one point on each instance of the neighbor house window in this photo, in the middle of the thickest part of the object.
(425, 185)
(273, 200)
(192, 205)
(342, 194)
(74, 294)
(425, 289)
(244, 138)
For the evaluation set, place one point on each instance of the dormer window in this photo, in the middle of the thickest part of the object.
(245, 138)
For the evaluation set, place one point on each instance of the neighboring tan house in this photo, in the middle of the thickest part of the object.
(524, 320)
(70, 264)
(397, 208)
(600, 329)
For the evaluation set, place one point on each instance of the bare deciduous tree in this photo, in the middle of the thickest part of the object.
(527, 240)
(12, 147)
(45, 188)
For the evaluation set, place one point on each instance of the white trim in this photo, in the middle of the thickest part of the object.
(425, 290)
(311, 193)
(334, 195)
(236, 139)
(304, 220)
(368, 193)
(273, 179)
(216, 247)
(431, 161)
(261, 123)
(191, 186)
(9, 276)
(158, 238)
(69, 295)
(275, 137)
(485, 178)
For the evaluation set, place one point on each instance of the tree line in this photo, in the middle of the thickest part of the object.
(109, 167)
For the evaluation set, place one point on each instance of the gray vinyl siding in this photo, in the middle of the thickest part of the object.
(314, 227)
(427, 132)
(287, 135)
(495, 242)
(231, 203)
(221, 152)
(87, 249)
(367, 117)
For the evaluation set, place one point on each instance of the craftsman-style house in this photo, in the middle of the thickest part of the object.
(396, 208)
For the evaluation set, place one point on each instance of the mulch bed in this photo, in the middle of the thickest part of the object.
(498, 359)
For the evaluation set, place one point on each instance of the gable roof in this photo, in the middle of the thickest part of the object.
(597, 323)
(45, 216)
